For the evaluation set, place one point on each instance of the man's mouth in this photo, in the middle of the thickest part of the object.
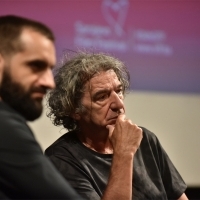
(38, 95)
(115, 117)
(112, 120)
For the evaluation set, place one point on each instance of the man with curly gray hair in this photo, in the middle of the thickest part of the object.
(105, 155)
(70, 79)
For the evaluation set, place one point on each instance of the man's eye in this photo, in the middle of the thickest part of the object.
(37, 65)
(120, 92)
(102, 97)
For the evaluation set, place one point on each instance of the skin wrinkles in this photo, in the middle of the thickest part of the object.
(99, 121)
(103, 100)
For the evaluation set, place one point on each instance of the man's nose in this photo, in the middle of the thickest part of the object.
(116, 102)
(47, 79)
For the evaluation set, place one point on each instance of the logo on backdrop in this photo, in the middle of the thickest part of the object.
(114, 37)
(115, 13)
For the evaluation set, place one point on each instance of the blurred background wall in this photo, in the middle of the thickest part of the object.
(160, 43)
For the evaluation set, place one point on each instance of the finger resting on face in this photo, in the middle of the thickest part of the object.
(122, 116)
(122, 111)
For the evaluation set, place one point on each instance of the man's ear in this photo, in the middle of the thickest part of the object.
(2, 63)
(76, 116)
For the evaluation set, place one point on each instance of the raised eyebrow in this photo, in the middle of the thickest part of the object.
(120, 86)
(101, 92)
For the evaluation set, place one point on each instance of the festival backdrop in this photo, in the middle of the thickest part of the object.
(159, 41)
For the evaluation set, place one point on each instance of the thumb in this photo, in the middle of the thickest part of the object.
(110, 128)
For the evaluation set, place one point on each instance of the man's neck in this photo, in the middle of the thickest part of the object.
(98, 142)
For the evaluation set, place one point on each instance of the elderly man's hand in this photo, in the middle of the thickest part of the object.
(125, 136)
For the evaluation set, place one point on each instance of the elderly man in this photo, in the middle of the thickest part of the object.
(27, 56)
(105, 155)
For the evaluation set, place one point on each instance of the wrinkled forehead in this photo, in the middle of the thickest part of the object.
(101, 80)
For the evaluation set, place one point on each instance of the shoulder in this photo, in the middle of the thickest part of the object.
(150, 141)
(148, 135)
(11, 121)
(6, 113)
(63, 144)
(15, 133)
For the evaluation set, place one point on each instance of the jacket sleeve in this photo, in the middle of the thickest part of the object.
(25, 172)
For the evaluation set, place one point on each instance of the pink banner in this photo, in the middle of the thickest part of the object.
(158, 40)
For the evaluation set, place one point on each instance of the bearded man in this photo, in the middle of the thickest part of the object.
(27, 56)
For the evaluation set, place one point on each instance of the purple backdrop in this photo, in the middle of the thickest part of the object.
(158, 40)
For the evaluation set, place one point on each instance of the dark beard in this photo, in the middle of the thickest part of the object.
(14, 95)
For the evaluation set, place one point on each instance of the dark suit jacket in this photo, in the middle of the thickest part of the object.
(25, 173)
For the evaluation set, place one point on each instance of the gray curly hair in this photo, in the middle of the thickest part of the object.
(70, 80)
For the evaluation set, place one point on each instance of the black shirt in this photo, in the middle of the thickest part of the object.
(155, 177)
(25, 173)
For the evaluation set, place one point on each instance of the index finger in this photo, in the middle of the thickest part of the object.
(121, 116)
